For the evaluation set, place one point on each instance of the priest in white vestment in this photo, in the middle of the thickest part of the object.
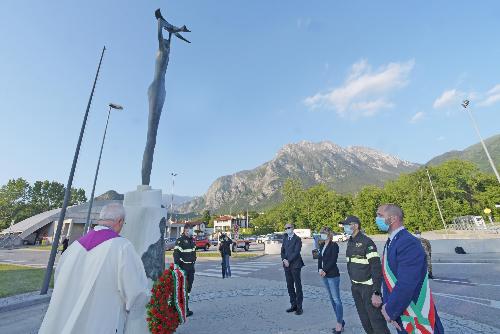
(100, 283)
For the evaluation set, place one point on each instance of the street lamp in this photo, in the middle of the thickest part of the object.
(87, 222)
(465, 104)
(172, 196)
(67, 192)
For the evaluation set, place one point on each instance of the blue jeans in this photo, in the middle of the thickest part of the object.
(332, 285)
(226, 265)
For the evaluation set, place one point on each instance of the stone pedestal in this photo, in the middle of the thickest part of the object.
(145, 227)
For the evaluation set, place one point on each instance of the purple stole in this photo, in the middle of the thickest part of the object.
(94, 238)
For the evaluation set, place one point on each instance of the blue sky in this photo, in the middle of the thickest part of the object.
(258, 75)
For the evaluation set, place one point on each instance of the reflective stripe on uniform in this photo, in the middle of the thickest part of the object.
(186, 261)
(372, 255)
(187, 250)
(369, 282)
(356, 260)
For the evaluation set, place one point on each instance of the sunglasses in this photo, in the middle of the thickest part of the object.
(288, 228)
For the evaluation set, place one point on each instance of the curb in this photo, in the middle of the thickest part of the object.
(34, 300)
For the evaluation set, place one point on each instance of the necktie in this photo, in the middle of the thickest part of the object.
(289, 238)
(387, 243)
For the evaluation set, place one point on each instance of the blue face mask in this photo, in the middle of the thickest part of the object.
(381, 224)
(348, 229)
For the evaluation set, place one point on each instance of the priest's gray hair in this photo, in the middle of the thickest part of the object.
(113, 212)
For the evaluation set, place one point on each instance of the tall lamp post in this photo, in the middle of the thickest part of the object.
(172, 198)
(172, 204)
(87, 222)
(465, 104)
(67, 192)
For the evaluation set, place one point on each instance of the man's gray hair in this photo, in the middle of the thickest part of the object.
(113, 211)
(394, 210)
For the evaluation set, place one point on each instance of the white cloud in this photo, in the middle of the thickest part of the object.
(492, 97)
(364, 91)
(303, 22)
(417, 117)
(448, 98)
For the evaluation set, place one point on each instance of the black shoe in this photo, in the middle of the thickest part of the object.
(291, 309)
(431, 276)
(335, 331)
(299, 311)
(189, 313)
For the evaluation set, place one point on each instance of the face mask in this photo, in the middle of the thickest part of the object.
(380, 221)
(323, 236)
(190, 232)
(348, 229)
(417, 235)
(289, 232)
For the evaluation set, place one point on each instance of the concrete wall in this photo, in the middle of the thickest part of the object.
(438, 246)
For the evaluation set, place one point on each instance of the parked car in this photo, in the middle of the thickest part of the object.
(263, 238)
(202, 242)
(170, 243)
(240, 243)
(251, 238)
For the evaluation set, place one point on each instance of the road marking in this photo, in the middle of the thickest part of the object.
(462, 263)
(491, 303)
(239, 272)
(246, 268)
(465, 282)
(211, 275)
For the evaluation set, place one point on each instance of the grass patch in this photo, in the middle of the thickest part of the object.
(45, 247)
(20, 279)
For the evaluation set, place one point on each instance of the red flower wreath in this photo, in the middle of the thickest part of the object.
(167, 307)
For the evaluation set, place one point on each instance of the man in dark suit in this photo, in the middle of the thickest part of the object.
(408, 302)
(292, 263)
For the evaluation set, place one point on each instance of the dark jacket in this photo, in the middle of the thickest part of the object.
(225, 246)
(328, 260)
(363, 262)
(185, 252)
(290, 250)
(406, 259)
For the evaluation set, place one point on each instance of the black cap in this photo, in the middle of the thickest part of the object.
(351, 219)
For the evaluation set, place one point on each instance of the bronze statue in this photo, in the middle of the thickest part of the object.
(156, 91)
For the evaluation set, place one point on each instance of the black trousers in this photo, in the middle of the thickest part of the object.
(189, 270)
(371, 318)
(294, 286)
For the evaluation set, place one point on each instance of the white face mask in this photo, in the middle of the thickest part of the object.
(289, 232)
(189, 232)
(323, 236)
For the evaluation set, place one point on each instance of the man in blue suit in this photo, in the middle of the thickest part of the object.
(408, 302)
(292, 263)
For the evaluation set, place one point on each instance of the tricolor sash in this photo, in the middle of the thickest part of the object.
(419, 317)
(179, 297)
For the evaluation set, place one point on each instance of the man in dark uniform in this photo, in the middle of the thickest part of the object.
(292, 263)
(365, 272)
(185, 258)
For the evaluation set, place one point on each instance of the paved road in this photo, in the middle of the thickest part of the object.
(466, 286)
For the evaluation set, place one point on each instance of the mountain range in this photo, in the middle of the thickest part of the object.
(346, 170)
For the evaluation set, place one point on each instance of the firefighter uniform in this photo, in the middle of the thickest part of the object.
(185, 258)
(365, 272)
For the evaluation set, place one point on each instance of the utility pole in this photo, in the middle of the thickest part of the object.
(436, 199)
(172, 198)
(465, 104)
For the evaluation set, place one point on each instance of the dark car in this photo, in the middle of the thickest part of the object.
(169, 243)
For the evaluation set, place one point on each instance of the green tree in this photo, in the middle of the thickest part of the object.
(14, 198)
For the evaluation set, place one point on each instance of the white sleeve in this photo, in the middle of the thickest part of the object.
(132, 281)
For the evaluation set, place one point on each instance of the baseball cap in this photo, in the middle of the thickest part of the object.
(351, 219)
